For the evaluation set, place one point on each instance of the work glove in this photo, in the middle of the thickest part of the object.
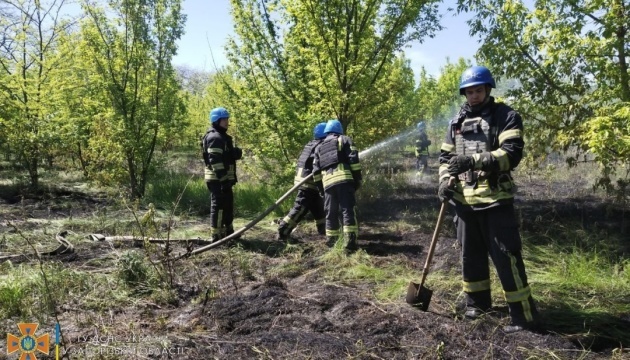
(357, 184)
(460, 164)
(445, 191)
(238, 153)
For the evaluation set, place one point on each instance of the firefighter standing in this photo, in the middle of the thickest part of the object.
(337, 172)
(422, 148)
(307, 198)
(220, 155)
(482, 145)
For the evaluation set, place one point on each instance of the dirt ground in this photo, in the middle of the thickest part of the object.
(307, 317)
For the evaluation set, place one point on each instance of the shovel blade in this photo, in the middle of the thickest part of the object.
(419, 296)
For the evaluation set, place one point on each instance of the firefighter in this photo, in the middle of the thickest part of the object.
(220, 156)
(422, 148)
(337, 173)
(307, 198)
(483, 143)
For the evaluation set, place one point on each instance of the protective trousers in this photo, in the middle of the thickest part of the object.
(341, 196)
(494, 232)
(221, 209)
(305, 201)
(422, 162)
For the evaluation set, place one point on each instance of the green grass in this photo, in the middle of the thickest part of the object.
(249, 198)
(579, 276)
(14, 296)
(28, 291)
(189, 193)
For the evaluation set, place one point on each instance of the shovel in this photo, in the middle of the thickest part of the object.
(417, 294)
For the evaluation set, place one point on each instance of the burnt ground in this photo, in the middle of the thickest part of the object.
(221, 311)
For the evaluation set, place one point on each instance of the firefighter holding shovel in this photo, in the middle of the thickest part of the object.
(483, 144)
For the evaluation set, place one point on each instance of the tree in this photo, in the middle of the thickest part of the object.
(29, 55)
(132, 53)
(439, 99)
(571, 60)
(299, 62)
(195, 86)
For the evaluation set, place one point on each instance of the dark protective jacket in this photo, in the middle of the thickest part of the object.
(422, 144)
(493, 136)
(219, 155)
(336, 162)
(304, 166)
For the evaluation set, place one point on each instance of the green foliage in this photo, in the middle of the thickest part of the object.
(608, 137)
(198, 102)
(439, 100)
(570, 60)
(134, 271)
(29, 89)
(131, 54)
(299, 62)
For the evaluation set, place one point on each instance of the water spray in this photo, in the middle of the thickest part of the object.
(385, 143)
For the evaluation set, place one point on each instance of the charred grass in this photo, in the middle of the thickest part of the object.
(259, 298)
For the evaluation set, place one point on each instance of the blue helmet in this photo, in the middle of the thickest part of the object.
(421, 126)
(476, 75)
(318, 131)
(334, 126)
(217, 114)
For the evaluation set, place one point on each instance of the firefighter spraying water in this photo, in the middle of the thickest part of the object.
(398, 139)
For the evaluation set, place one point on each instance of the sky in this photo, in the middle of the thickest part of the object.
(209, 24)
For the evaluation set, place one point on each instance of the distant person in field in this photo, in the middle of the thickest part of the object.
(307, 198)
(483, 143)
(220, 155)
(337, 173)
(422, 148)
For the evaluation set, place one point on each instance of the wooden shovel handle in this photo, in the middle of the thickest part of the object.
(438, 226)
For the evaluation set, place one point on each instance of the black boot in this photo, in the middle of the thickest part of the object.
(283, 232)
(229, 231)
(321, 229)
(331, 241)
(216, 236)
(351, 245)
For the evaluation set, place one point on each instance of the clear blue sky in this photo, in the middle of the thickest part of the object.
(209, 24)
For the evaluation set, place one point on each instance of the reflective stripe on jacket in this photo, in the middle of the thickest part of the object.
(346, 168)
(491, 182)
(218, 156)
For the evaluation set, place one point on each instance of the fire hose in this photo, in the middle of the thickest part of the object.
(264, 213)
(250, 224)
(65, 246)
